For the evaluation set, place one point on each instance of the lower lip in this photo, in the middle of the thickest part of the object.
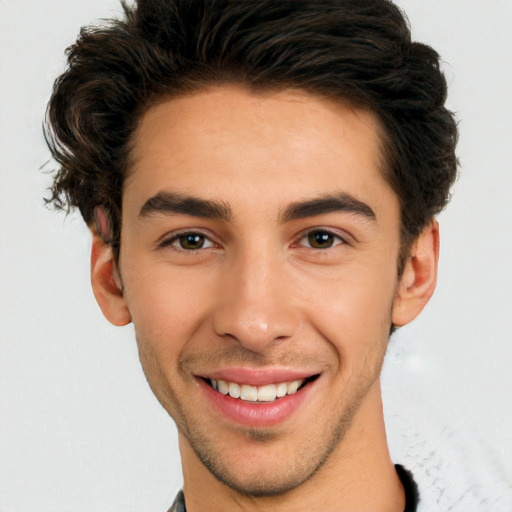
(261, 414)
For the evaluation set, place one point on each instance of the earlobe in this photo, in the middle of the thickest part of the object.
(419, 277)
(106, 283)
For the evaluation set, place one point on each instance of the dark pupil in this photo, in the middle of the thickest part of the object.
(320, 240)
(192, 241)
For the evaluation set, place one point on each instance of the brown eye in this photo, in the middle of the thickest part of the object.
(191, 241)
(187, 242)
(321, 239)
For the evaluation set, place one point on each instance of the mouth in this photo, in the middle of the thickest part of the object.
(258, 398)
(262, 394)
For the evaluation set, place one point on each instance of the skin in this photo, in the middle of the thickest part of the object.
(257, 294)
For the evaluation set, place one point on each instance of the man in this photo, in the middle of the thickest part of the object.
(261, 180)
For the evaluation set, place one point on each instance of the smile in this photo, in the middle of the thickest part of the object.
(255, 394)
(257, 397)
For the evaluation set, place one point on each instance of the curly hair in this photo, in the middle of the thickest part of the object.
(357, 51)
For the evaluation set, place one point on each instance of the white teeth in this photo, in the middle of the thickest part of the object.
(234, 390)
(223, 387)
(291, 387)
(266, 393)
(249, 393)
(281, 389)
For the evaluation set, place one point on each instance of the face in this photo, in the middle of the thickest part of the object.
(259, 264)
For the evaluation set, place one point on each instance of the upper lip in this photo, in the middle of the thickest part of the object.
(258, 376)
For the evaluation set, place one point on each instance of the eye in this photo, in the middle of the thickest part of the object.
(321, 239)
(188, 241)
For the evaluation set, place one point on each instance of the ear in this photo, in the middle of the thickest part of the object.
(419, 277)
(106, 283)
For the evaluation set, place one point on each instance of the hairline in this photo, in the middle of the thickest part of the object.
(191, 87)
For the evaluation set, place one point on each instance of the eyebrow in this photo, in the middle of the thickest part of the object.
(327, 204)
(171, 203)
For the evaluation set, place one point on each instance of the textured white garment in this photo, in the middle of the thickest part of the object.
(456, 467)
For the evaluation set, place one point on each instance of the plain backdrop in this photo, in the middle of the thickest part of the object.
(79, 427)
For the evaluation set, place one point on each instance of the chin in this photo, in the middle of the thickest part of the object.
(261, 483)
(270, 467)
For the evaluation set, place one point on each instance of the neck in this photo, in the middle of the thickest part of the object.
(358, 475)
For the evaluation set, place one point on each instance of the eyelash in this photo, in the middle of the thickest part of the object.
(175, 241)
(334, 237)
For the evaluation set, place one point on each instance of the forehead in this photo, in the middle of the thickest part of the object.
(231, 144)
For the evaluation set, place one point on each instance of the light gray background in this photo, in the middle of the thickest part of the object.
(79, 428)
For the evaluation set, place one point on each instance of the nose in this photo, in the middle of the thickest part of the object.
(255, 305)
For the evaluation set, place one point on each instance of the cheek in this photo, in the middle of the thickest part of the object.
(353, 312)
(166, 308)
(166, 311)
